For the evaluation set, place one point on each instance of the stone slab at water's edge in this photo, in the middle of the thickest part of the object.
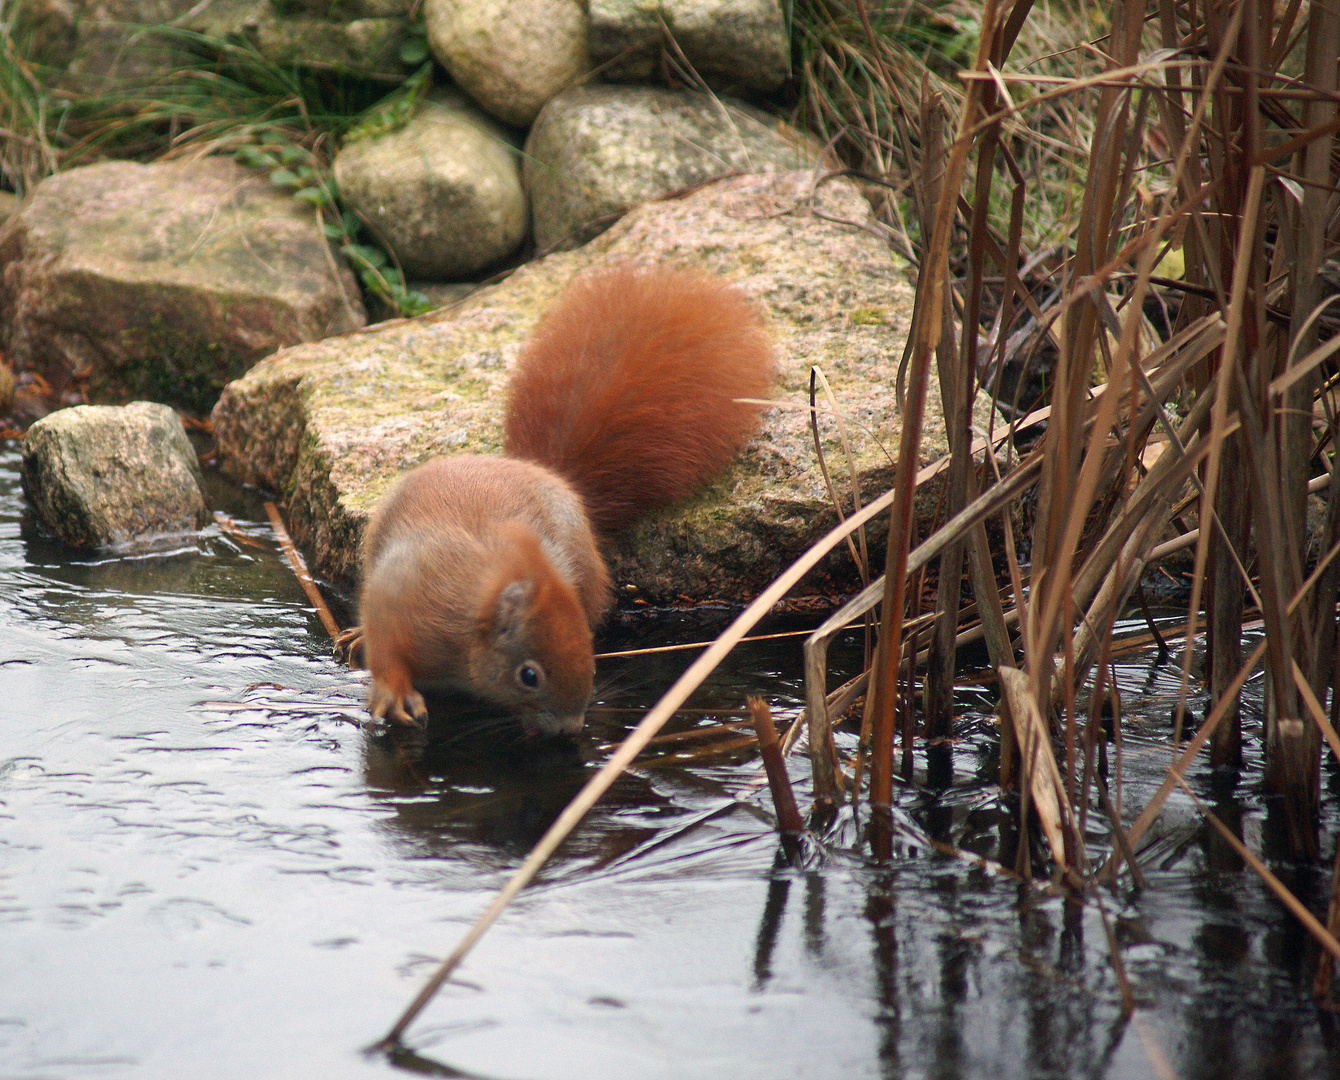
(330, 425)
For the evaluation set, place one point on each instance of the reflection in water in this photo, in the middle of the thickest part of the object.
(779, 887)
(880, 913)
(1221, 856)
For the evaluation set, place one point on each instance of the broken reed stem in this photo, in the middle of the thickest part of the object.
(789, 821)
(295, 560)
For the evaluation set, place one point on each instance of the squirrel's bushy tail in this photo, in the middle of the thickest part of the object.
(628, 387)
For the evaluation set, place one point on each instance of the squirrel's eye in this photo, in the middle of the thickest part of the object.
(528, 675)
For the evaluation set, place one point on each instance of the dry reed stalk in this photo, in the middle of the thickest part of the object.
(1201, 147)
(1260, 373)
(789, 822)
(1232, 389)
(1073, 462)
(827, 776)
(998, 28)
(1026, 736)
(829, 780)
(856, 545)
(957, 369)
(299, 566)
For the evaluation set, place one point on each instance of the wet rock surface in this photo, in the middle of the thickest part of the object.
(100, 476)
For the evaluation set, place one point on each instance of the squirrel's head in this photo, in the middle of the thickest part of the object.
(534, 652)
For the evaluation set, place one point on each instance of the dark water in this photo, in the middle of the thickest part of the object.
(208, 868)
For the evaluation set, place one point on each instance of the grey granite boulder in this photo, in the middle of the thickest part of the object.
(100, 476)
(597, 150)
(443, 193)
(511, 56)
(164, 281)
(729, 44)
(332, 424)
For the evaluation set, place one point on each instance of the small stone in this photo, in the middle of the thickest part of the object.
(443, 193)
(730, 44)
(511, 56)
(100, 475)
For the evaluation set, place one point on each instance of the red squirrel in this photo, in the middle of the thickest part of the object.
(484, 572)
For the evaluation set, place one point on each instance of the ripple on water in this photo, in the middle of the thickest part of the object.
(208, 868)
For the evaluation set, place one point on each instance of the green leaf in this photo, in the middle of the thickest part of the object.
(377, 284)
(414, 51)
(313, 195)
(284, 178)
(364, 254)
(414, 303)
(256, 158)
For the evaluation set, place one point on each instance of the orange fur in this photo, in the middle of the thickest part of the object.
(484, 572)
(629, 386)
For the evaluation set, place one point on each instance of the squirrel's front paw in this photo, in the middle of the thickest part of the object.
(406, 708)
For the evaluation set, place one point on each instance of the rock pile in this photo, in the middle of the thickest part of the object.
(540, 148)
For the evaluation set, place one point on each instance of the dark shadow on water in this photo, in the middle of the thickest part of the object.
(474, 775)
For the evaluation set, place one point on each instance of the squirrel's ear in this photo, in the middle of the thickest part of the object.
(513, 602)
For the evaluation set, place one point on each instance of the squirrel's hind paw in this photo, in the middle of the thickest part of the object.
(349, 647)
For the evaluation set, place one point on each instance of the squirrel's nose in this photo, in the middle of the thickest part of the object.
(546, 723)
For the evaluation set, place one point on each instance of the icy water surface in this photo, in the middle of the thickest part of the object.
(208, 868)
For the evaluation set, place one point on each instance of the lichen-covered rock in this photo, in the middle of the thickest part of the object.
(444, 192)
(99, 475)
(333, 423)
(511, 56)
(96, 45)
(362, 38)
(164, 281)
(730, 44)
(597, 150)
